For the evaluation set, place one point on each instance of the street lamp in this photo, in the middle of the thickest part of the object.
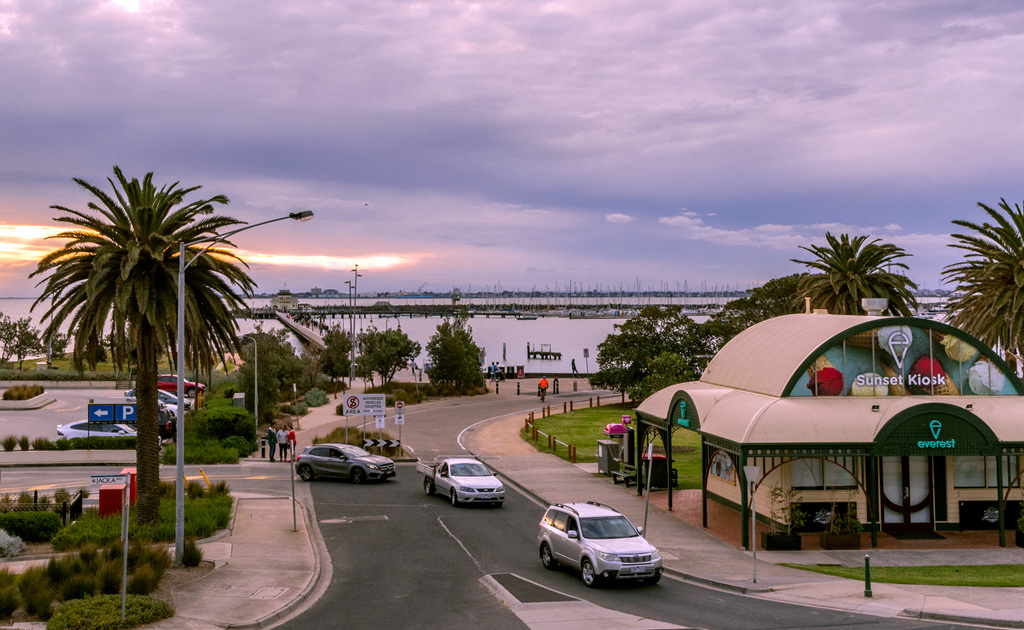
(179, 485)
(352, 325)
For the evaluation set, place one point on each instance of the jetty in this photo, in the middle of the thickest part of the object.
(307, 335)
(544, 354)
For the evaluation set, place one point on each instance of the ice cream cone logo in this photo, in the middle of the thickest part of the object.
(936, 427)
(899, 343)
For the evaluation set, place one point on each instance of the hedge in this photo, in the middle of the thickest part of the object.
(31, 526)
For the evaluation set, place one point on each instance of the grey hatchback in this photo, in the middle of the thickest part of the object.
(342, 460)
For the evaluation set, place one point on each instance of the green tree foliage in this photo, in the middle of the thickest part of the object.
(58, 345)
(118, 267)
(279, 367)
(778, 296)
(849, 269)
(990, 279)
(19, 340)
(454, 356)
(655, 346)
(8, 337)
(386, 352)
(337, 355)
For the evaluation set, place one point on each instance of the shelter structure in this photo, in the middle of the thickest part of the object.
(910, 424)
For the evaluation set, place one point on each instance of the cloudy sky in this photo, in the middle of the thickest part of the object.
(521, 144)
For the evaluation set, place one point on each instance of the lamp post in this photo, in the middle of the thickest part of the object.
(179, 492)
(753, 474)
(352, 334)
(256, 384)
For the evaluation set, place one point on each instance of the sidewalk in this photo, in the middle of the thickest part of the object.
(696, 555)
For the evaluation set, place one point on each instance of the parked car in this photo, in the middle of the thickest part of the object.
(598, 541)
(169, 383)
(84, 428)
(168, 401)
(342, 460)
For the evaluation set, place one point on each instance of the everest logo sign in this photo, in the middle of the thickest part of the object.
(935, 442)
(917, 380)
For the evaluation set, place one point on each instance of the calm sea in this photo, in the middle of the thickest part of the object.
(503, 339)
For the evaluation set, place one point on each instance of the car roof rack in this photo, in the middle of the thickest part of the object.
(567, 507)
(602, 505)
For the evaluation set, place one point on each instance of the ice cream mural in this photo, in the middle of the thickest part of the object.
(903, 360)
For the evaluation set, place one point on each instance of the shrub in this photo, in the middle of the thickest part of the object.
(59, 569)
(194, 490)
(23, 392)
(223, 421)
(143, 580)
(201, 452)
(31, 527)
(61, 495)
(10, 546)
(43, 444)
(192, 555)
(77, 586)
(243, 446)
(120, 443)
(9, 443)
(64, 444)
(37, 592)
(316, 397)
(23, 442)
(104, 612)
(9, 599)
(108, 577)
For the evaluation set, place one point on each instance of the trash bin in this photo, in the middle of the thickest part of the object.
(659, 471)
(608, 456)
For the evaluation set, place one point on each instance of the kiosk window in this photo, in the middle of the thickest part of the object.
(819, 474)
(977, 471)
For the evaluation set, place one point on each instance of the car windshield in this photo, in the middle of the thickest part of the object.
(470, 470)
(354, 451)
(607, 527)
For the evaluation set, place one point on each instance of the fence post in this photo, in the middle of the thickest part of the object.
(570, 405)
(623, 397)
(531, 417)
(591, 401)
(598, 401)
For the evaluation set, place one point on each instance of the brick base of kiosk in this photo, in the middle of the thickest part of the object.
(112, 498)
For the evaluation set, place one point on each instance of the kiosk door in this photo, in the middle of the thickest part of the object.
(907, 494)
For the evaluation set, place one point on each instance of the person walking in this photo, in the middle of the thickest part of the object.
(543, 386)
(272, 440)
(282, 443)
(575, 372)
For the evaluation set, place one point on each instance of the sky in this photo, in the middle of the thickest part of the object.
(513, 144)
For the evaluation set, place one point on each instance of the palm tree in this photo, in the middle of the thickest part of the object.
(118, 267)
(990, 280)
(850, 270)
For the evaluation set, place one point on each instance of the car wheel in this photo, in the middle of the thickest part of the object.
(305, 473)
(455, 498)
(428, 486)
(358, 476)
(654, 580)
(587, 572)
(546, 559)
(190, 392)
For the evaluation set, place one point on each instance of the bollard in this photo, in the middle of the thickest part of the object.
(598, 401)
(564, 407)
(570, 405)
(495, 387)
(591, 401)
(517, 389)
(574, 388)
(556, 385)
(867, 575)
(263, 448)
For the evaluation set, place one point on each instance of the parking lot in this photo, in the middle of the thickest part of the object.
(71, 405)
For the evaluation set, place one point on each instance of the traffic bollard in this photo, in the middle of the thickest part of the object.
(867, 575)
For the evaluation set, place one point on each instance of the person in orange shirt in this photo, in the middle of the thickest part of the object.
(543, 387)
(291, 442)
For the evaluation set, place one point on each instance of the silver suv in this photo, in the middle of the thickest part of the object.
(597, 540)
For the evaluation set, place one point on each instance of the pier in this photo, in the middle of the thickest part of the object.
(307, 335)
(544, 354)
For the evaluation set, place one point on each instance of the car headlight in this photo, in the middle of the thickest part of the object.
(655, 555)
(611, 557)
(469, 489)
(373, 466)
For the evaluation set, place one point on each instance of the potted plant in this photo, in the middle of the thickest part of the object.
(784, 512)
(842, 530)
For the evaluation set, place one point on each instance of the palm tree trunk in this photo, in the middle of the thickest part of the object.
(147, 449)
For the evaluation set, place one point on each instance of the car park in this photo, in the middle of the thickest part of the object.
(84, 428)
(343, 461)
(169, 383)
(599, 542)
(168, 401)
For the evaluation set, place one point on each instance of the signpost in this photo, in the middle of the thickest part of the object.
(363, 405)
(112, 412)
(399, 418)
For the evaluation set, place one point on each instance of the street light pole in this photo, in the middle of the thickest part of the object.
(352, 325)
(179, 484)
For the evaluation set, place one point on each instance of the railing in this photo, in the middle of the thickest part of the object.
(552, 441)
(69, 511)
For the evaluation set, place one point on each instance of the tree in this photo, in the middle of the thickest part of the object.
(279, 367)
(989, 296)
(454, 356)
(778, 296)
(119, 267)
(633, 355)
(852, 269)
(8, 338)
(26, 341)
(58, 343)
(337, 355)
(386, 352)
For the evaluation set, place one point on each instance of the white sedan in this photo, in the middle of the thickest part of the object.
(167, 401)
(84, 428)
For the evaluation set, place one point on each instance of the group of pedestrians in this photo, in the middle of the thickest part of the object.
(495, 372)
(281, 439)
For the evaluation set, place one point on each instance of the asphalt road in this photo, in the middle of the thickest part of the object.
(71, 405)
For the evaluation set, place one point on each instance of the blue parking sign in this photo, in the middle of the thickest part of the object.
(125, 413)
(101, 413)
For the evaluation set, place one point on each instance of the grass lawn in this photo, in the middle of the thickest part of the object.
(1011, 575)
(584, 427)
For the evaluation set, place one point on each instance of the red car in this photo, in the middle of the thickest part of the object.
(169, 383)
